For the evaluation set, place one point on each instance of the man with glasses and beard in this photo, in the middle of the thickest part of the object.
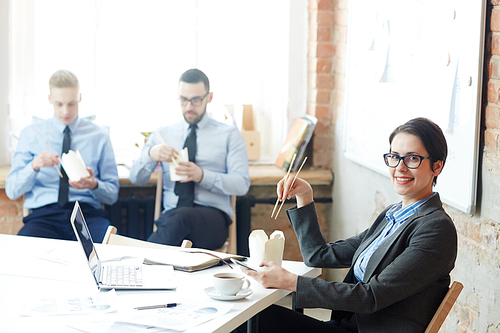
(198, 207)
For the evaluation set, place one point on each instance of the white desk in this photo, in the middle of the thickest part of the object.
(24, 276)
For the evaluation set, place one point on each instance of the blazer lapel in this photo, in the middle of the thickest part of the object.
(373, 235)
(382, 250)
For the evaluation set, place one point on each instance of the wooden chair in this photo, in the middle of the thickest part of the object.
(230, 244)
(112, 238)
(445, 307)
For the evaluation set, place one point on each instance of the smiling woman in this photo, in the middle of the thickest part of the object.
(129, 56)
(398, 268)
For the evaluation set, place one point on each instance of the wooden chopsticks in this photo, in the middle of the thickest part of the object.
(163, 142)
(50, 151)
(291, 185)
(286, 178)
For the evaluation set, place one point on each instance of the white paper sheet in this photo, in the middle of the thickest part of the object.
(59, 256)
(180, 318)
(98, 303)
(105, 325)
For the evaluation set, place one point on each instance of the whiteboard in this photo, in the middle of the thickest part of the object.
(417, 58)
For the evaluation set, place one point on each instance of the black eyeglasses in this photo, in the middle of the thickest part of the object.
(195, 101)
(411, 161)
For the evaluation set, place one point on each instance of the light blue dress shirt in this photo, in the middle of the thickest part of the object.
(42, 187)
(395, 217)
(221, 153)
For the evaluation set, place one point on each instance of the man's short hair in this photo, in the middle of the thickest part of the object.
(63, 79)
(194, 76)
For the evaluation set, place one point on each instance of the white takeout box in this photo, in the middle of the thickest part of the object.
(73, 164)
(261, 247)
(183, 157)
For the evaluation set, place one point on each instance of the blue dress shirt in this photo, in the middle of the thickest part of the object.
(221, 153)
(395, 217)
(42, 187)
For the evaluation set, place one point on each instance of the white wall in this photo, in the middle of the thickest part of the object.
(4, 82)
(299, 34)
(359, 194)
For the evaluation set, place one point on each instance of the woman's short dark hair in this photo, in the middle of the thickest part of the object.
(194, 75)
(430, 135)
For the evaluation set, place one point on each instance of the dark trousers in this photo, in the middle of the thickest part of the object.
(206, 227)
(52, 221)
(276, 319)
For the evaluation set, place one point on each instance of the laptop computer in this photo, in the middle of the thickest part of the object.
(114, 276)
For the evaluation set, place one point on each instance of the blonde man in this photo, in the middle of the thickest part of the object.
(50, 198)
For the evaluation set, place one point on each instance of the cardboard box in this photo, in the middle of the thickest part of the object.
(252, 139)
(250, 135)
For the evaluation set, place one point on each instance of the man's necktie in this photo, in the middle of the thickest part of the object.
(63, 184)
(185, 191)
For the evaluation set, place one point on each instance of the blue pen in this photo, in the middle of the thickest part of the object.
(168, 305)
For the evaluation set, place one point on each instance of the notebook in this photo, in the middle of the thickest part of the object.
(136, 276)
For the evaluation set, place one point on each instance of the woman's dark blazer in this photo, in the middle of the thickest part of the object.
(405, 279)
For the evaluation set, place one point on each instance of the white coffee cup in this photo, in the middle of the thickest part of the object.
(230, 283)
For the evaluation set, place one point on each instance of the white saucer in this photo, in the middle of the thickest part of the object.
(210, 291)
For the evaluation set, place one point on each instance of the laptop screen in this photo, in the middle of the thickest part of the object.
(83, 235)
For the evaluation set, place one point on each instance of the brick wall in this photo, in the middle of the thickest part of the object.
(11, 214)
(321, 94)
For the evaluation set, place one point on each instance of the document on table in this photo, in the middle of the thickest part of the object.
(105, 325)
(58, 255)
(99, 303)
(176, 319)
(179, 318)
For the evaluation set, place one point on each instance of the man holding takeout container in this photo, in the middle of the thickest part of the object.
(204, 162)
(37, 173)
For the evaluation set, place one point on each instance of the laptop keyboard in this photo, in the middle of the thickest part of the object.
(121, 276)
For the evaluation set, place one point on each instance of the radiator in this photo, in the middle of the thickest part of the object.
(133, 216)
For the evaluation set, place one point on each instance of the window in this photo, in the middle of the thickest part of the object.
(128, 56)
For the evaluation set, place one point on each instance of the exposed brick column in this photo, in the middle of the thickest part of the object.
(492, 110)
(326, 30)
(11, 214)
(320, 85)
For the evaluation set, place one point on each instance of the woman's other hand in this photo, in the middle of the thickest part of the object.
(274, 277)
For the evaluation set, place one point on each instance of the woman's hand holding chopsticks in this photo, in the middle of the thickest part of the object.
(285, 186)
(297, 187)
